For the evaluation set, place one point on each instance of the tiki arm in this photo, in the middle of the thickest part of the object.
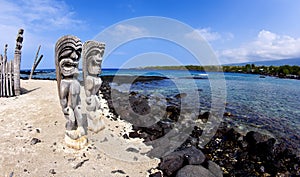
(98, 83)
(64, 92)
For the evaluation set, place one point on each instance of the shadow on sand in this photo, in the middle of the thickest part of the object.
(25, 91)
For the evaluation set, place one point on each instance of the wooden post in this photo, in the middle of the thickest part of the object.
(7, 79)
(5, 91)
(4, 78)
(17, 59)
(9, 71)
(36, 62)
(1, 73)
(35, 65)
(17, 62)
(4, 75)
(12, 77)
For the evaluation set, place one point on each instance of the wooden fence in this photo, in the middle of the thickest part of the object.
(10, 70)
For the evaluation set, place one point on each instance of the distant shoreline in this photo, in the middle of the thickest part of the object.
(284, 71)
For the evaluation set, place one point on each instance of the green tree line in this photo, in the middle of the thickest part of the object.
(278, 71)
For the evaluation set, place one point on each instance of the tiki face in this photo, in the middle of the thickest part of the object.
(94, 61)
(92, 57)
(68, 55)
(69, 60)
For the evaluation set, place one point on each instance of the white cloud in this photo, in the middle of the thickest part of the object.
(209, 35)
(204, 33)
(41, 20)
(127, 31)
(37, 14)
(120, 33)
(266, 46)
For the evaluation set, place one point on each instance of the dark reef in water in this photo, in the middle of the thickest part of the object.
(119, 79)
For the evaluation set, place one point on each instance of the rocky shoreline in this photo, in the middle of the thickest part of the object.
(228, 153)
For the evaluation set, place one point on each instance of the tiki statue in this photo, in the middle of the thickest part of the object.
(17, 62)
(19, 39)
(91, 68)
(67, 54)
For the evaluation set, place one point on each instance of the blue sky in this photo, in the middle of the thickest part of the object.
(237, 31)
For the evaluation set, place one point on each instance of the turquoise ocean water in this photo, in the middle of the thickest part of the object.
(264, 104)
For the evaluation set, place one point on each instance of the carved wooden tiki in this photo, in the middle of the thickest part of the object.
(17, 62)
(92, 59)
(67, 54)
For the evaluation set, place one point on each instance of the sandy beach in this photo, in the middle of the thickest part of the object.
(32, 128)
(32, 140)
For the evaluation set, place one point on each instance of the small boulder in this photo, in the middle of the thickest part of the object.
(171, 163)
(35, 141)
(173, 112)
(156, 174)
(133, 134)
(215, 169)
(52, 171)
(253, 137)
(260, 145)
(192, 155)
(204, 117)
(228, 114)
(176, 160)
(232, 135)
(194, 171)
(180, 95)
(131, 149)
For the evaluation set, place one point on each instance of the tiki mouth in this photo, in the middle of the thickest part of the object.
(68, 66)
(98, 61)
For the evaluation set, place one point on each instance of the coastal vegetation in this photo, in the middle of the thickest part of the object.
(278, 71)
(285, 71)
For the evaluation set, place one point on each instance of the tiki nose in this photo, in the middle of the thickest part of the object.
(74, 55)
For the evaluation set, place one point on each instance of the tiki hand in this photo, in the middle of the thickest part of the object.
(66, 111)
(69, 114)
(88, 100)
(91, 104)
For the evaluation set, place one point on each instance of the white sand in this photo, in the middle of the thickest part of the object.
(20, 119)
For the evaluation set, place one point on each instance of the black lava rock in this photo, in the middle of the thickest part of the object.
(118, 171)
(192, 155)
(35, 141)
(171, 164)
(194, 171)
(260, 145)
(52, 171)
(176, 160)
(180, 95)
(173, 112)
(156, 174)
(256, 137)
(204, 117)
(215, 169)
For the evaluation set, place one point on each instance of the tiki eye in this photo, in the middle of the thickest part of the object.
(94, 52)
(66, 53)
(78, 52)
